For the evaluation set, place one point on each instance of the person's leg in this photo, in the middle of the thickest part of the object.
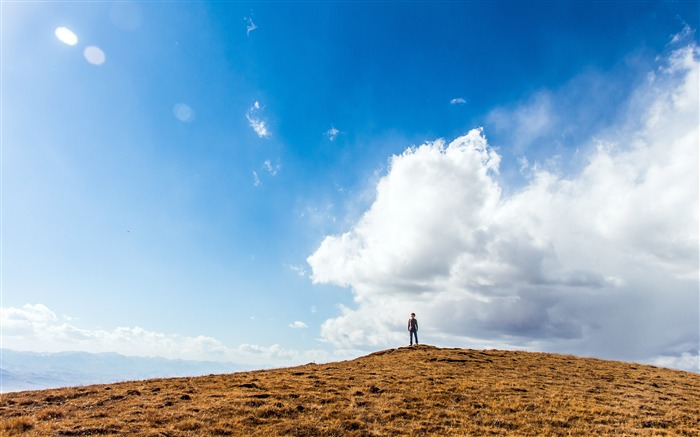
(416, 334)
(410, 338)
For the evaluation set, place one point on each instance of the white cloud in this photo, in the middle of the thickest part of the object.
(684, 361)
(37, 328)
(255, 120)
(603, 262)
(299, 270)
(528, 121)
(298, 325)
(458, 101)
(683, 36)
(274, 350)
(20, 321)
(332, 133)
(279, 354)
(258, 126)
(250, 26)
(272, 169)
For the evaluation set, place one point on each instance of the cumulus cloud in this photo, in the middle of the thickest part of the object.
(17, 321)
(37, 328)
(458, 101)
(298, 325)
(602, 262)
(254, 117)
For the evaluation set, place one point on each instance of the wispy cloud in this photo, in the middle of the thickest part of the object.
(528, 122)
(458, 101)
(299, 270)
(684, 36)
(272, 169)
(267, 166)
(256, 121)
(250, 26)
(332, 133)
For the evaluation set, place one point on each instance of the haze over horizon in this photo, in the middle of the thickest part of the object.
(277, 183)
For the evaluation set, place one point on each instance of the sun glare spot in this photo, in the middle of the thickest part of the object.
(66, 36)
(183, 112)
(94, 55)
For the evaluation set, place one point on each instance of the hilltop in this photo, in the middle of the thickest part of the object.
(421, 390)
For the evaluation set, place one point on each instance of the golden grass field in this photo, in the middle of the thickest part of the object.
(417, 391)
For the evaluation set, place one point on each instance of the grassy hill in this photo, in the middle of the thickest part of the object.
(407, 391)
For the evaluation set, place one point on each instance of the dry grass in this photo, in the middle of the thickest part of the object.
(407, 391)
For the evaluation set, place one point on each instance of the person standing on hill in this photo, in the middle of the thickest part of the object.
(413, 328)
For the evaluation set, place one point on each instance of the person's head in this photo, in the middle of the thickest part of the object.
(413, 315)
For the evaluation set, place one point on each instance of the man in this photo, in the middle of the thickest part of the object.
(413, 328)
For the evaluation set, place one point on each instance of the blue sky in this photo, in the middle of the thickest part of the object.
(276, 183)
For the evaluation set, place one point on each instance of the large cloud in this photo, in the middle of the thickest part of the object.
(603, 262)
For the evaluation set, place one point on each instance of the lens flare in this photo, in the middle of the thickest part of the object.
(94, 55)
(183, 112)
(66, 36)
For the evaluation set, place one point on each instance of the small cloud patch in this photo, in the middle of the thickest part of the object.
(332, 133)
(272, 169)
(254, 117)
(298, 325)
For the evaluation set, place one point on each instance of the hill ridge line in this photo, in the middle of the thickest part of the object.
(419, 390)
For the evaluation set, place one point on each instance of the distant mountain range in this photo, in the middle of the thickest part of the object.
(21, 371)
